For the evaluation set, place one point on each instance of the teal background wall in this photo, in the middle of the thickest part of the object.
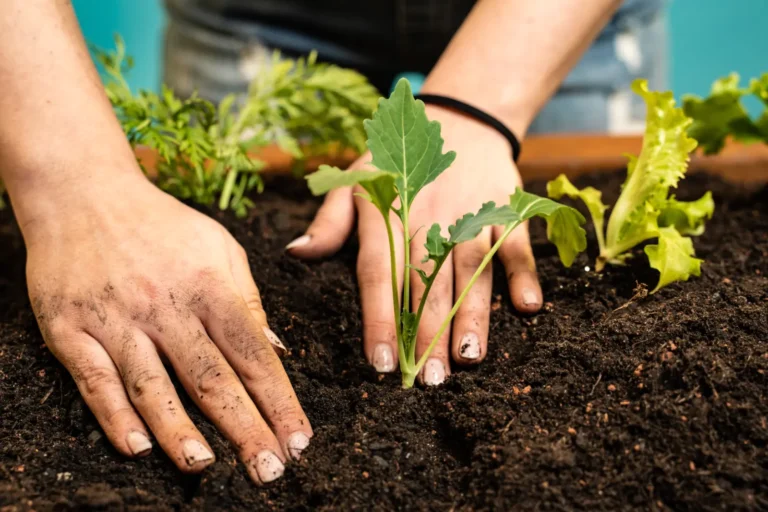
(140, 22)
(708, 38)
(711, 38)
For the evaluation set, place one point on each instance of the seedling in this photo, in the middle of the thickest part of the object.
(645, 210)
(203, 149)
(407, 154)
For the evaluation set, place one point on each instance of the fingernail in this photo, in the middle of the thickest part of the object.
(296, 444)
(530, 298)
(469, 348)
(138, 443)
(434, 372)
(268, 466)
(195, 452)
(273, 339)
(299, 242)
(383, 360)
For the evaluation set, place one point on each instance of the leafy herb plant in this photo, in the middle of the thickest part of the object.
(723, 114)
(203, 149)
(645, 210)
(407, 153)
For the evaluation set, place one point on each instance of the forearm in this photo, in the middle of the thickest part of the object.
(510, 56)
(57, 127)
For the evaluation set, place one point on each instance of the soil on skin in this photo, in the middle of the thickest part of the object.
(600, 402)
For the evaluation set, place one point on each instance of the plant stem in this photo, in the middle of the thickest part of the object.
(407, 255)
(486, 259)
(600, 233)
(409, 378)
(423, 301)
(395, 295)
(609, 253)
(226, 192)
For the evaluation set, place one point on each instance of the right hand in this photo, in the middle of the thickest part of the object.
(122, 276)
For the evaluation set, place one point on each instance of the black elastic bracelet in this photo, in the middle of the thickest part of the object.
(478, 114)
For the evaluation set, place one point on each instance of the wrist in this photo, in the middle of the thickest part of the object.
(459, 129)
(513, 111)
(46, 198)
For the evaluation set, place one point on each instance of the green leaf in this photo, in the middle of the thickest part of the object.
(759, 88)
(470, 225)
(422, 274)
(563, 222)
(719, 115)
(437, 245)
(380, 185)
(673, 258)
(660, 165)
(590, 196)
(687, 217)
(467, 228)
(402, 140)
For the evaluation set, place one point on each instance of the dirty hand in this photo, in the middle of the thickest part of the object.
(122, 277)
(483, 171)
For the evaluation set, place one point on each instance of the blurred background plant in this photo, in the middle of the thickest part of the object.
(203, 150)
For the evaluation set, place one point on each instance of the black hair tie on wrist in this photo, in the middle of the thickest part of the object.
(478, 114)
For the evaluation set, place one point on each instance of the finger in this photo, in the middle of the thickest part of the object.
(436, 310)
(102, 389)
(374, 276)
(517, 257)
(470, 325)
(244, 344)
(152, 393)
(241, 273)
(331, 227)
(211, 381)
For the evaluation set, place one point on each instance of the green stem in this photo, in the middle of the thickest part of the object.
(395, 295)
(609, 253)
(423, 301)
(407, 250)
(487, 259)
(600, 233)
(226, 192)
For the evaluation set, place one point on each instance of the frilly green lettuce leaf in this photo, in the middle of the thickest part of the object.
(661, 164)
(687, 217)
(719, 115)
(673, 258)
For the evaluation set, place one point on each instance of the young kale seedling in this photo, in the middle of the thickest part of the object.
(407, 152)
(645, 210)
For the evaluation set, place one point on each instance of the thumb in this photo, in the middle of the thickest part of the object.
(331, 227)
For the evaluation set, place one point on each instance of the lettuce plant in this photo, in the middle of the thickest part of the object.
(645, 210)
(407, 154)
(722, 113)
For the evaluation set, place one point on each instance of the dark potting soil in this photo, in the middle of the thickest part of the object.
(600, 402)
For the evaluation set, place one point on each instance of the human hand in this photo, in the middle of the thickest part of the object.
(483, 171)
(122, 276)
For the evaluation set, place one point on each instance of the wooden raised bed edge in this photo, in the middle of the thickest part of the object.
(546, 156)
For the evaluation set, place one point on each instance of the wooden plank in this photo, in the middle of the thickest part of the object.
(545, 157)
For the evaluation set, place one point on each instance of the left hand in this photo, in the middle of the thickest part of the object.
(483, 171)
